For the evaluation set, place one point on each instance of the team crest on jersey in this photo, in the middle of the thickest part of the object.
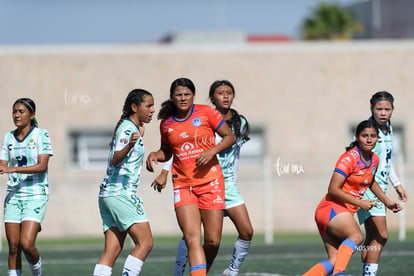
(183, 134)
(187, 146)
(196, 122)
(32, 144)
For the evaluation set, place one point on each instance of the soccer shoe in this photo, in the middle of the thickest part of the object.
(227, 272)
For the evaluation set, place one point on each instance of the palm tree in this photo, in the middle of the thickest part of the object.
(330, 21)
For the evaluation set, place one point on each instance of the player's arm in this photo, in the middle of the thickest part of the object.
(120, 155)
(40, 167)
(392, 205)
(161, 180)
(228, 139)
(161, 155)
(335, 190)
(395, 181)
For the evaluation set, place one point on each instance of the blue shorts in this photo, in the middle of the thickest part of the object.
(17, 211)
(121, 211)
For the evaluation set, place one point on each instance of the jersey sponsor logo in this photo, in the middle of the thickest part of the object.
(187, 146)
(32, 144)
(21, 160)
(196, 122)
(170, 129)
(123, 141)
(184, 134)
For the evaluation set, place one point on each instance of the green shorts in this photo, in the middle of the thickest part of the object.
(121, 211)
(378, 210)
(232, 195)
(17, 211)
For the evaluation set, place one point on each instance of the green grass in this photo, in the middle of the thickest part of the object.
(291, 254)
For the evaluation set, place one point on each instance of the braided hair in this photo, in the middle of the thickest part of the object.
(235, 121)
(136, 96)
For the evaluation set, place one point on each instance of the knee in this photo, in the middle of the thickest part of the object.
(357, 238)
(246, 235)
(27, 246)
(13, 249)
(211, 243)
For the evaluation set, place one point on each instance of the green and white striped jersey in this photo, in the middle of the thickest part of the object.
(123, 179)
(24, 153)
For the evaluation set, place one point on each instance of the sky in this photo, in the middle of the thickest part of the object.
(25, 22)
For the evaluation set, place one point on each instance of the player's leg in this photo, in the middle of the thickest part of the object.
(189, 220)
(13, 239)
(181, 258)
(376, 237)
(325, 267)
(344, 227)
(213, 225)
(241, 220)
(114, 241)
(142, 237)
(28, 237)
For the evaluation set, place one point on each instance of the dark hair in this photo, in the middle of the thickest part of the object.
(382, 96)
(361, 126)
(378, 97)
(235, 121)
(136, 96)
(167, 107)
(30, 105)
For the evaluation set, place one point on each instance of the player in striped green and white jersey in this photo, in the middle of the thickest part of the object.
(24, 156)
(122, 211)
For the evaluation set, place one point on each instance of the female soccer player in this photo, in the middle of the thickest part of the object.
(187, 132)
(24, 155)
(374, 220)
(221, 95)
(122, 211)
(353, 175)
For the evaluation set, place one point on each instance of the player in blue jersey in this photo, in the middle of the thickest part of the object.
(122, 211)
(374, 220)
(24, 156)
(221, 95)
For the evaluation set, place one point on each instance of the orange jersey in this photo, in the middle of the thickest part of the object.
(187, 139)
(358, 175)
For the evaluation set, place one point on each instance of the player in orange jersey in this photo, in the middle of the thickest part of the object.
(188, 134)
(353, 175)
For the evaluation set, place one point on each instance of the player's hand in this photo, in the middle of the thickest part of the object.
(394, 206)
(151, 159)
(367, 204)
(160, 182)
(203, 158)
(134, 138)
(402, 194)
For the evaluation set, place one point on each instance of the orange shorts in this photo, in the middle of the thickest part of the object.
(208, 196)
(326, 211)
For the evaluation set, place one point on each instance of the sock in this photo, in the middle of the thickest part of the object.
(345, 251)
(181, 258)
(102, 270)
(323, 268)
(241, 247)
(14, 272)
(36, 268)
(369, 269)
(132, 266)
(198, 270)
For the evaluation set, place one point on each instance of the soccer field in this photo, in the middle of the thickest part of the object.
(289, 255)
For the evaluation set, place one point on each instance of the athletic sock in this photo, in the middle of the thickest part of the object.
(14, 272)
(132, 266)
(36, 268)
(241, 247)
(369, 269)
(102, 270)
(198, 270)
(181, 258)
(345, 251)
(323, 268)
